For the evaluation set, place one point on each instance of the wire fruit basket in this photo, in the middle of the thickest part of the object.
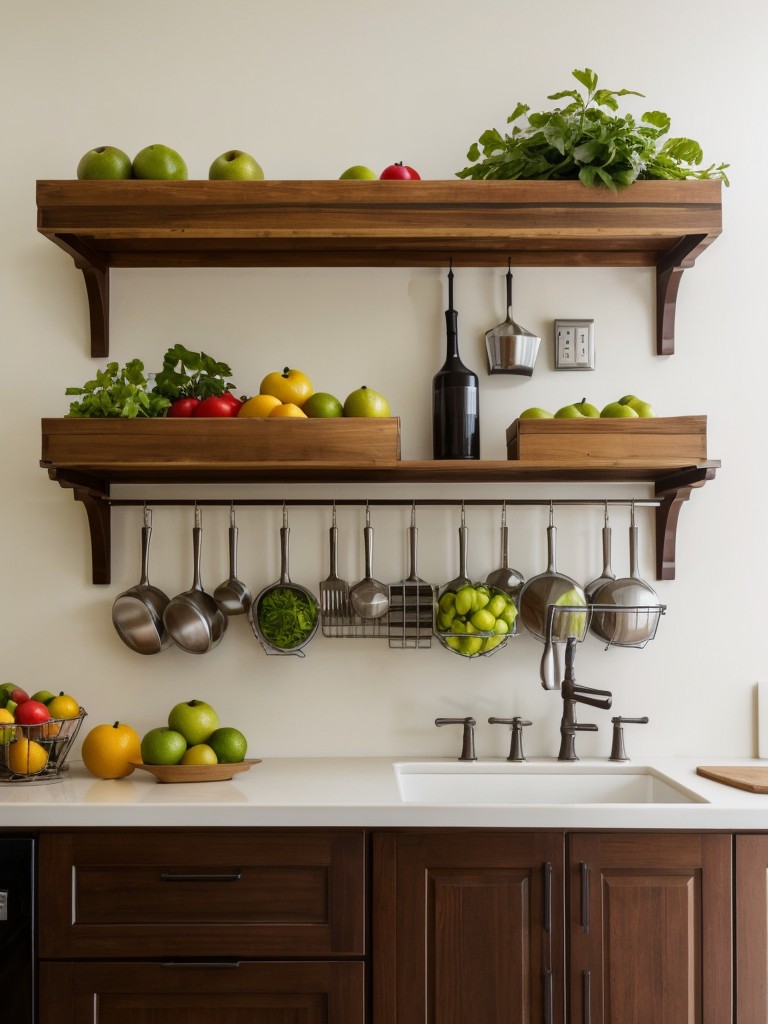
(37, 753)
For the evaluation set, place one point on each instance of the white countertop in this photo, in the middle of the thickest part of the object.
(364, 792)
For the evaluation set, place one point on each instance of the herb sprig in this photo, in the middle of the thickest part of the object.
(581, 141)
(118, 393)
(191, 374)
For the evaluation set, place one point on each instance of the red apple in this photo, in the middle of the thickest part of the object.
(400, 172)
(11, 692)
(31, 712)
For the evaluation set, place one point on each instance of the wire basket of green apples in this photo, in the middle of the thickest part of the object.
(475, 620)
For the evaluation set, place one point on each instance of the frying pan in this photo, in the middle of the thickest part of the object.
(607, 574)
(137, 613)
(195, 622)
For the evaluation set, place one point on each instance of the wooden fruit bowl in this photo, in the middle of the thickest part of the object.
(196, 772)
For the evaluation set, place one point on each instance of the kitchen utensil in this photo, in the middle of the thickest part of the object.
(753, 779)
(233, 596)
(462, 580)
(194, 621)
(506, 579)
(535, 598)
(411, 601)
(369, 598)
(607, 574)
(636, 624)
(334, 591)
(510, 347)
(303, 606)
(137, 613)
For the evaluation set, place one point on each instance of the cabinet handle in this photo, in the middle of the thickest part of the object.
(585, 897)
(547, 867)
(586, 997)
(168, 876)
(207, 964)
(548, 897)
(548, 997)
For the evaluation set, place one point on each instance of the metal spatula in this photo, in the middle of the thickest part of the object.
(334, 591)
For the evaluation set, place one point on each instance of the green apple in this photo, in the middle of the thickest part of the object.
(587, 409)
(366, 402)
(615, 410)
(162, 746)
(358, 173)
(569, 412)
(104, 163)
(235, 165)
(535, 413)
(159, 163)
(43, 696)
(195, 720)
(643, 409)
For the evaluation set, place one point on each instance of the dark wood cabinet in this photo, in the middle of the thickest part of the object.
(260, 992)
(138, 926)
(751, 893)
(650, 929)
(468, 927)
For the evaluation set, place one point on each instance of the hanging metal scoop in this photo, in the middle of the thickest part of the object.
(510, 347)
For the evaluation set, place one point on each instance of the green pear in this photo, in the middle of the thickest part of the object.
(568, 412)
(587, 409)
(643, 409)
(535, 413)
(615, 410)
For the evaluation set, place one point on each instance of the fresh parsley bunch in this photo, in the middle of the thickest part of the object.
(115, 392)
(187, 374)
(582, 141)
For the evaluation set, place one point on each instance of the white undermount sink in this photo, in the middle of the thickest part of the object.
(502, 782)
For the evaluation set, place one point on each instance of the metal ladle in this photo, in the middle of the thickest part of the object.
(137, 613)
(232, 596)
(506, 579)
(369, 598)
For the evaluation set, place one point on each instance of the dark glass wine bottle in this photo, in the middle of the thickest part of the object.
(455, 398)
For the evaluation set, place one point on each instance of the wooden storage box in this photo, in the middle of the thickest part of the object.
(91, 442)
(672, 441)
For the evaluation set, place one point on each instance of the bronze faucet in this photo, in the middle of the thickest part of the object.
(574, 694)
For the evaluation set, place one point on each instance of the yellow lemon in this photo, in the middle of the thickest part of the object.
(25, 757)
(259, 405)
(6, 735)
(288, 409)
(63, 706)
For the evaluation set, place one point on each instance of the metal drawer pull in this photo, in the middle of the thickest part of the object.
(585, 897)
(167, 876)
(586, 997)
(197, 964)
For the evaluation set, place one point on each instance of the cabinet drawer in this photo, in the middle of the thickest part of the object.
(202, 993)
(201, 893)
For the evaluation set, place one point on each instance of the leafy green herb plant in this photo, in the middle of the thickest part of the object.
(187, 374)
(286, 617)
(587, 140)
(118, 393)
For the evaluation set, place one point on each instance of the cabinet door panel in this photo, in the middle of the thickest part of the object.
(200, 993)
(242, 893)
(650, 928)
(471, 931)
(752, 929)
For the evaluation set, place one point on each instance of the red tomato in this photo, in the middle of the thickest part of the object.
(229, 396)
(217, 405)
(184, 407)
(399, 171)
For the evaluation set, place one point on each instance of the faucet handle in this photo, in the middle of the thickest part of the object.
(468, 736)
(517, 723)
(618, 753)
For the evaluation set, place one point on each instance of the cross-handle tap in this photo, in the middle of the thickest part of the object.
(516, 746)
(468, 736)
(572, 695)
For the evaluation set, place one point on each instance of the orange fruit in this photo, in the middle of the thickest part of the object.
(25, 757)
(288, 409)
(109, 749)
(289, 386)
(259, 405)
(63, 706)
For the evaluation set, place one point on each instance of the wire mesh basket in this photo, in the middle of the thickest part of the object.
(620, 626)
(37, 753)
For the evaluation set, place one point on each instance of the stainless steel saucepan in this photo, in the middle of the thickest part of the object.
(194, 621)
(137, 613)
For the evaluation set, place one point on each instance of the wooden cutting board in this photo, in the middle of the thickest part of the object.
(752, 779)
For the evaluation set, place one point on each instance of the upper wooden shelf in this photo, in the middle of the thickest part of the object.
(106, 224)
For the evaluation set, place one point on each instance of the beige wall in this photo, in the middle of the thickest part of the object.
(310, 89)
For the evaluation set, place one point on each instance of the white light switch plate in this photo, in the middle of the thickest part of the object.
(762, 719)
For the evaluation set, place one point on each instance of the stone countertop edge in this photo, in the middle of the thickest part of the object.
(362, 792)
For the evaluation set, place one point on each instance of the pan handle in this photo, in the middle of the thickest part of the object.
(284, 538)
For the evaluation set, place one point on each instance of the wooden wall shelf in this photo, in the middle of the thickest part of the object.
(66, 457)
(104, 225)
